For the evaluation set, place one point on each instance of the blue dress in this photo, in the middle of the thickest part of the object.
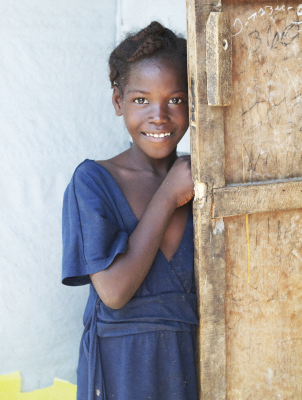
(144, 350)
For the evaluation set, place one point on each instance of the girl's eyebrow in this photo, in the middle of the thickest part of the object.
(180, 91)
(145, 92)
(137, 91)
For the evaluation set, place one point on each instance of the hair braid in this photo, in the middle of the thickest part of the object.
(148, 47)
(154, 41)
(154, 28)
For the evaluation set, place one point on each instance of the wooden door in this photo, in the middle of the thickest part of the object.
(247, 169)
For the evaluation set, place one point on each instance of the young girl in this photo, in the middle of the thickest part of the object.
(127, 229)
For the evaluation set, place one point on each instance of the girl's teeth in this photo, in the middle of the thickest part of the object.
(157, 135)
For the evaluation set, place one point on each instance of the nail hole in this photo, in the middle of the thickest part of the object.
(225, 44)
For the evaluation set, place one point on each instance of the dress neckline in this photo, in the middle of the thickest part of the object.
(133, 215)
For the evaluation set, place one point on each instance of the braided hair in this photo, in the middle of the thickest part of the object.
(153, 42)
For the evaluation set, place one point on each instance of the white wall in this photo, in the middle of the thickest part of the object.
(55, 111)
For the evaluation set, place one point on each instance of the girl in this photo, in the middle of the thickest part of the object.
(127, 229)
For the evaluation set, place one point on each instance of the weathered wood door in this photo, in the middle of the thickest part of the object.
(247, 169)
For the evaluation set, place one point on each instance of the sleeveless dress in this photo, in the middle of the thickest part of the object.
(144, 350)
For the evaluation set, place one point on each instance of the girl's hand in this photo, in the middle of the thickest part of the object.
(179, 181)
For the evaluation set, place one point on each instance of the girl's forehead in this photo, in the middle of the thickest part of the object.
(154, 72)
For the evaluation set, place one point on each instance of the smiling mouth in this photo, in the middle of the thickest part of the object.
(158, 135)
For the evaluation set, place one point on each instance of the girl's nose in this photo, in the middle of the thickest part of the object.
(159, 114)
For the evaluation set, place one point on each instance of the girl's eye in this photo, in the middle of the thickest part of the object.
(141, 100)
(175, 100)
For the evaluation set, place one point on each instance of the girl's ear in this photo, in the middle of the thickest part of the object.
(117, 101)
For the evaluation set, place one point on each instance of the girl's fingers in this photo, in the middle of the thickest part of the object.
(180, 180)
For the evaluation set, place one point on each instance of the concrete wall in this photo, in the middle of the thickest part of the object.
(55, 107)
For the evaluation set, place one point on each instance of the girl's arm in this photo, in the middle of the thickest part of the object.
(118, 283)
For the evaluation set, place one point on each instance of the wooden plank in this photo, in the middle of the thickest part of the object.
(263, 125)
(219, 59)
(259, 198)
(264, 310)
(264, 251)
(207, 152)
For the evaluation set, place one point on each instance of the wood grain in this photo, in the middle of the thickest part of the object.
(263, 317)
(207, 149)
(263, 142)
(259, 198)
(263, 125)
(219, 59)
(263, 252)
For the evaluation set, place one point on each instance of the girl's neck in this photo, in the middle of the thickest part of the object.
(138, 160)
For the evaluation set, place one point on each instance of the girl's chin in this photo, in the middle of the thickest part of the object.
(159, 155)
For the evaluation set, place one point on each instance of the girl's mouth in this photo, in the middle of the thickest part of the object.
(158, 135)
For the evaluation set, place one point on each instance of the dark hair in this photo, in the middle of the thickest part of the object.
(153, 42)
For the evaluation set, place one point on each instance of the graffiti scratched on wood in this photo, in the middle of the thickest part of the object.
(264, 122)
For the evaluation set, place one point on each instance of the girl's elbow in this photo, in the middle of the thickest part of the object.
(114, 301)
(114, 304)
(112, 295)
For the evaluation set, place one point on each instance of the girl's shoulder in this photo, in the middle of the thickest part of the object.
(93, 188)
(90, 171)
(116, 166)
(92, 180)
(107, 169)
(89, 167)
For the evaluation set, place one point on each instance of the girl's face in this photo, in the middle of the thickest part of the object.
(154, 106)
